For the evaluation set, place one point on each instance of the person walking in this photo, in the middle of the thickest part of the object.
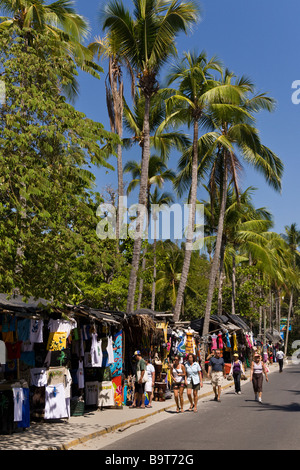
(236, 371)
(140, 380)
(178, 374)
(280, 357)
(149, 385)
(193, 381)
(216, 371)
(258, 368)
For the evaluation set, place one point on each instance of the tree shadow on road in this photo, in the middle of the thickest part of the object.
(291, 407)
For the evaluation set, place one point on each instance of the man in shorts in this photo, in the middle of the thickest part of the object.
(216, 371)
(139, 386)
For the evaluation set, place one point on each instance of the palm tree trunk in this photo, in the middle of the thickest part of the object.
(288, 322)
(120, 210)
(154, 269)
(233, 295)
(191, 222)
(221, 278)
(216, 258)
(142, 201)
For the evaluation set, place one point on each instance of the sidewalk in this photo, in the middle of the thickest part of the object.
(64, 435)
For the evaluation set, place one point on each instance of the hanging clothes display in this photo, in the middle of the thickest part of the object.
(36, 331)
(189, 342)
(25, 421)
(80, 375)
(55, 402)
(2, 353)
(214, 341)
(235, 345)
(96, 356)
(228, 344)
(18, 396)
(220, 341)
(248, 340)
(106, 394)
(110, 350)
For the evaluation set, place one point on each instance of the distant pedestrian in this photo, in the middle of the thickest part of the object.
(280, 357)
(140, 379)
(236, 371)
(149, 385)
(178, 374)
(193, 381)
(258, 368)
(216, 371)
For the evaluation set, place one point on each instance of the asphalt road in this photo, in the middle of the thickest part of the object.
(237, 423)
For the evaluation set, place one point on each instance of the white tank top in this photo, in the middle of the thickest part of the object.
(257, 368)
(177, 377)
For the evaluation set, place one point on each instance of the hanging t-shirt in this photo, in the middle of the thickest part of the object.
(106, 394)
(91, 393)
(96, 352)
(2, 352)
(38, 377)
(80, 375)
(14, 350)
(36, 331)
(62, 326)
(57, 341)
(23, 329)
(55, 402)
(18, 403)
(110, 350)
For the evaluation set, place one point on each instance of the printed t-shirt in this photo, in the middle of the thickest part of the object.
(36, 331)
(18, 403)
(55, 402)
(57, 341)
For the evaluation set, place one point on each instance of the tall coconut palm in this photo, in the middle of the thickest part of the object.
(237, 138)
(243, 234)
(292, 238)
(157, 201)
(193, 73)
(114, 86)
(60, 23)
(147, 39)
(158, 174)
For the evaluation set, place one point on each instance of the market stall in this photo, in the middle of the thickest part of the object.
(55, 363)
(230, 334)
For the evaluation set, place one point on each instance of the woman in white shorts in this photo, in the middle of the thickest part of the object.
(150, 383)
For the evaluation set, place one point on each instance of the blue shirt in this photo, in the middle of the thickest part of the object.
(192, 372)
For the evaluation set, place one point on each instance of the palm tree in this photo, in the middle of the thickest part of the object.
(147, 40)
(114, 86)
(243, 234)
(292, 238)
(158, 175)
(60, 23)
(235, 133)
(157, 200)
(162, 139)
(193, 73)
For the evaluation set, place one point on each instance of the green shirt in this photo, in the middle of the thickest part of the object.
(141, 365)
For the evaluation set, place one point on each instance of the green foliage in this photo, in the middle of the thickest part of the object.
(46, 151)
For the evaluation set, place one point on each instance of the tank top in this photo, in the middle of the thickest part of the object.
(257, 368)
(177, 377)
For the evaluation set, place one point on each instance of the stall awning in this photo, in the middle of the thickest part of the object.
(20, 304)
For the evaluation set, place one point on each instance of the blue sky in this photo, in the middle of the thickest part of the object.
(257, 39)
